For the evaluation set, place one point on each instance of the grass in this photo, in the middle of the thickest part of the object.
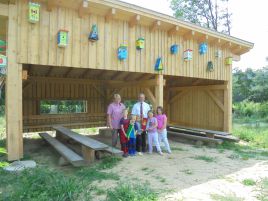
(205, 158)
(45, 184)
(230, 197)
(264, 190)
(249, 182)
(177, 149)
(132, 192)
(254, 136)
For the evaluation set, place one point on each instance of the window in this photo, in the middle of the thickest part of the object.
(63, 106)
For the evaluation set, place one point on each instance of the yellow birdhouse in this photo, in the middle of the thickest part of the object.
(229, 61)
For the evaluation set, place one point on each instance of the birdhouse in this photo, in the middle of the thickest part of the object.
(93, 36)
(203, 48)
(174, 49)
(159, 64)
(188, 55)
(62, 38)
(34, 12)
(218, 54)
(140, 43)
(3, 61)
(2, 45)
(3, 71)
(122, 52)
(229, 61)
(210, 66)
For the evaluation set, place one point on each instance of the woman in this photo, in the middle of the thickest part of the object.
(114, 115)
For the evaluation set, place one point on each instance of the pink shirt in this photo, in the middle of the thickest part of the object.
(116, 112)
(161, 120)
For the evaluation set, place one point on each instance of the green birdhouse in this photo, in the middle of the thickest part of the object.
(34, 12)
(62, 38)
(3, 61)
(229, 61)
(140, 43)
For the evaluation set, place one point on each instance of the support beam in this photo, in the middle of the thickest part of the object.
(134, 21)
(110, 15)
(50, 5)
(227, 125)
(189, 35)
(173, 31)
(155, 25)
(215, 87)
(83, 8)
(13, 91)
(215, 99)
(227, 45)
(151, 97)
(159, 90)
(178, 96)
(203, 38)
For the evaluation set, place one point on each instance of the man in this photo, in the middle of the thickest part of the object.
(114, 115)
(141, 109)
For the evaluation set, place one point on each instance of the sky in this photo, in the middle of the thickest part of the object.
(249, 22)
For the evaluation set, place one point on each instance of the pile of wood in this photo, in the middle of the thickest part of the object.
(200, 135)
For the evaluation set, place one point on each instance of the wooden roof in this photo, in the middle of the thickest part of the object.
(137, 15)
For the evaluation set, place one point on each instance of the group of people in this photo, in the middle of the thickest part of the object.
(136, 127)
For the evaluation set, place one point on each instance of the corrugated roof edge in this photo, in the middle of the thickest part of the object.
(188, 25)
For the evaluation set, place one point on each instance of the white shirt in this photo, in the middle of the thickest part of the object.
(137, 107)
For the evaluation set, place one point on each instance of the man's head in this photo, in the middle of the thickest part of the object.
(117, 98)
(141, 97)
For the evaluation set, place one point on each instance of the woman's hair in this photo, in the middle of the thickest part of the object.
(159, 108)
(125, 110)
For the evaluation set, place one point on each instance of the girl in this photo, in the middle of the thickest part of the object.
(124, 123)
(138, 135)
(151, 127)
(162, 128)
(131, 135)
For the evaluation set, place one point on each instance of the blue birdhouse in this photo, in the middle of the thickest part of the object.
(62, 38)
(93, 36)
(203, 48)
(159, 64)
(174, 49)
(122, 52)
(188, 55)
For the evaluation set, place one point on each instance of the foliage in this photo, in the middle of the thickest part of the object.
(251, 85)
(264, 190)
(230, 197)
(213, 14)
(133, 192)
(62, 106)
(255, 136)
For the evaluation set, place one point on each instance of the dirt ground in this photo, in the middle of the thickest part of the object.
(180, 175)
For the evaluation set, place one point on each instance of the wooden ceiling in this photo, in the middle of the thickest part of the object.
(37, 71)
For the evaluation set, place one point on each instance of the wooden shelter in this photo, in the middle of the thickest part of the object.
(195, 91)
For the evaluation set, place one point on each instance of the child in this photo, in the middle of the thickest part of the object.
(151, 127)
(131, 135)
(124, 123)
(162, 127)
(138, 135)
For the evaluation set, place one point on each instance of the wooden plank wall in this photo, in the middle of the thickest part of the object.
(38, 45)
(97, 97)
(197, 109)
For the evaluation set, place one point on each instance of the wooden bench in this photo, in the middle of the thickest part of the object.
(89, 146)
(195, 138)
(68, 154)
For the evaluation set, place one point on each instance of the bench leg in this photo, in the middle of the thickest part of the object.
(88, 154)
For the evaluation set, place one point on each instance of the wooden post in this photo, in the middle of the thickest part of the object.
(228, 106)
(13, 91)
(159, 90)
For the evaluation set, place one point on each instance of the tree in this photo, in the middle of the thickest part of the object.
(212, 14)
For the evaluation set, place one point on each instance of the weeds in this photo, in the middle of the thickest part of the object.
(249, 182)
(230, 197)
(205, 158)
(177, 149)
(187, 171)
(135, 192)
(264, 190)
